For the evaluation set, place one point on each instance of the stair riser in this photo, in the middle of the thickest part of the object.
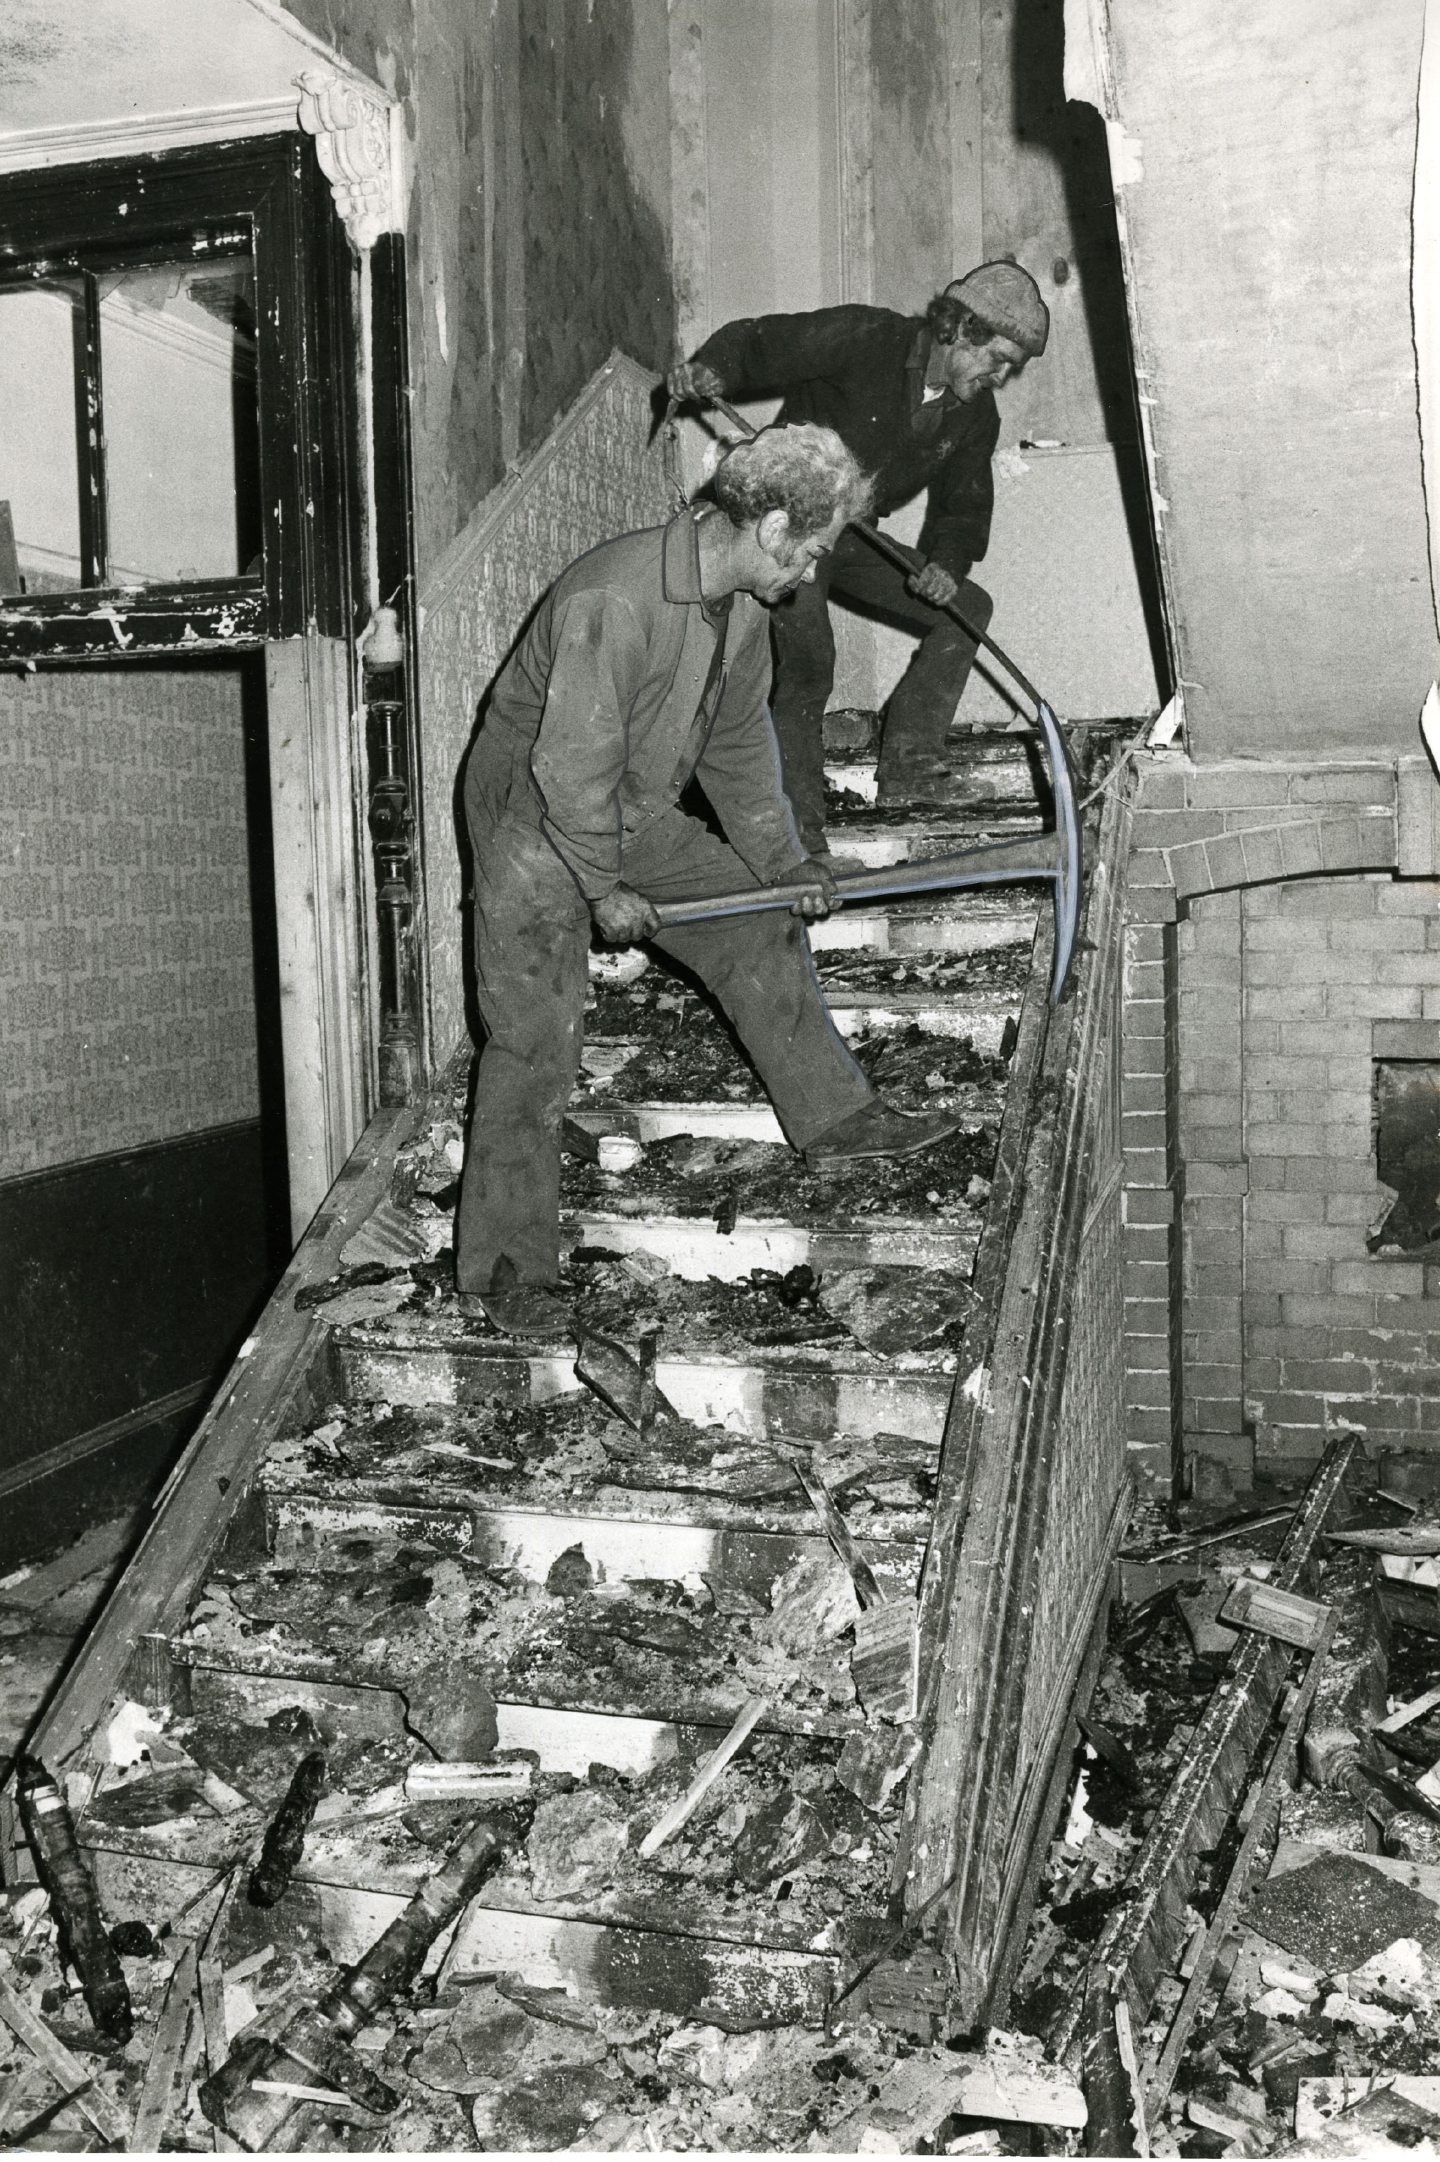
(699, 1978)
(811, 1406)
(982, 1027)
(564, 1739)
(869, 929)
(617, 1548)
(718, 1984)
(974, 1102)
(967, 785)
(696, 1249)
(876, 846)
(673, 1693)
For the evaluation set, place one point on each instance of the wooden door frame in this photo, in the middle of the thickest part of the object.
(336, 496)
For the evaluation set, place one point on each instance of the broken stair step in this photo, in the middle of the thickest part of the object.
(717, 1880)
(441, 1511)
(878, 837)
(377, 1362)
(709, 1980)
(696, 1248)
(977, 1017)
(641, 1535)
(974, 922)
(563, 1737)
(656, 1651)
(970, 783)
(747, 1118)
(394, 1865)
(632, 1682)
(429, 1469)
(942, 1008)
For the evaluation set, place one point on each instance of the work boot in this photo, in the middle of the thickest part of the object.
(918, 785)
(540, 1313)
(879, 1129)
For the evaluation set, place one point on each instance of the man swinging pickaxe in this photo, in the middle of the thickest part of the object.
(1056, 856)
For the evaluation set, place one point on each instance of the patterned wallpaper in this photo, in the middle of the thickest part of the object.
(595, 475)
(127, 1005)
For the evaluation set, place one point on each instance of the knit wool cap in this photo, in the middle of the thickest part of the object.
(1006, 298)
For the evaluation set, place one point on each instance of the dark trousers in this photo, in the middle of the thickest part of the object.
(919, 713)
(532, 935)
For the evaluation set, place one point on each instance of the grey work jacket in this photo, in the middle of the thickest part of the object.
(607, 691)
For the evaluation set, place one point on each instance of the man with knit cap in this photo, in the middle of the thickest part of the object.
(914, 398)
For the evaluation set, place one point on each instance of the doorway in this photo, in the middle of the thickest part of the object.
(186, 1053)
(144, 1205)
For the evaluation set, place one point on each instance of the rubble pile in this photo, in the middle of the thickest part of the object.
(1319, 2029)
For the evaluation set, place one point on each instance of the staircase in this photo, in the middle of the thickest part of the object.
(438, 1540)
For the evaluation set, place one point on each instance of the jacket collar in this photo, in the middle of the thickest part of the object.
(916, 363)
(680, 555)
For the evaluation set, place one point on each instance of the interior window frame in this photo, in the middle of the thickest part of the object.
(268, 193)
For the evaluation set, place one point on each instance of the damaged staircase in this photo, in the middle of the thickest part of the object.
(405, 1538)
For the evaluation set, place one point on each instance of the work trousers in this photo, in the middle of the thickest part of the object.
(531, 940)
(922, 707)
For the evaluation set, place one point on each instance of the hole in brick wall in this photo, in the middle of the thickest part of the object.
(1407, 1154)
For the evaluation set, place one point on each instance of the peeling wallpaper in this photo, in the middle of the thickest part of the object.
(127, 1001)
(596, 476)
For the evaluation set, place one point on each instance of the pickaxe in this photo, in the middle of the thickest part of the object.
(1057, 856)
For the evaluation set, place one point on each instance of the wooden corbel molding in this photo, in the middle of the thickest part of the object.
(352, 141)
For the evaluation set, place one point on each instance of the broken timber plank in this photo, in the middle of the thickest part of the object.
(157, 2092)
(712, 1769)
(1167, 2064)
(1143, 1937)
(66, 2070)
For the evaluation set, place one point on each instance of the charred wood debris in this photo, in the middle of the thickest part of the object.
(300, 1899)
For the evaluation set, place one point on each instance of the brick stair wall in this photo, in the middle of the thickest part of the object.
(1283, 932)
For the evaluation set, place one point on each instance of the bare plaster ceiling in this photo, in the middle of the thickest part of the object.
(100, 64)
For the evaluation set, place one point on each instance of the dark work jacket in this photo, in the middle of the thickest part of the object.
(861, 371)
(611, 700)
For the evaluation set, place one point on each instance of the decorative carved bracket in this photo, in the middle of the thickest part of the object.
(352, 142)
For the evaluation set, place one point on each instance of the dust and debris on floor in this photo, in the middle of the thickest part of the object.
(1319, 2031)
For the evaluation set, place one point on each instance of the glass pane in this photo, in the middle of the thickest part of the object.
(177, 361)
(39, 462)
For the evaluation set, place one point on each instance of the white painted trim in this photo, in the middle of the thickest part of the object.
(354, 142)
(32, 149)
(324, 1005)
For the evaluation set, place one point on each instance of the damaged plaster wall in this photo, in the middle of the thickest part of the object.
(538, 219)
(1270, 154)
(976, 154)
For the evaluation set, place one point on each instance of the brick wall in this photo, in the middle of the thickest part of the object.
(1284, 933)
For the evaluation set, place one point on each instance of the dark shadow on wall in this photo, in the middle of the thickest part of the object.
(1074, 137)
(597, 254)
